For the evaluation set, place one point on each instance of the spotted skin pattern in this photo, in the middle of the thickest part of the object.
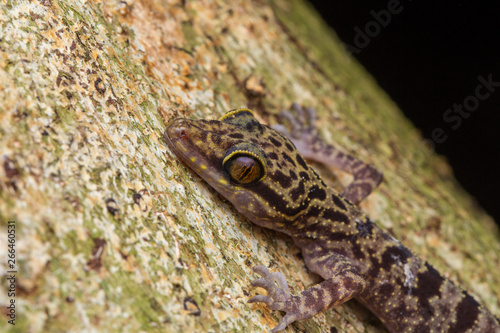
(275, 188)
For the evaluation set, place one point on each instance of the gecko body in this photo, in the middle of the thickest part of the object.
(263, 174)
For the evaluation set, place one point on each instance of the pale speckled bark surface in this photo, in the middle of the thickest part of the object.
(114, 234)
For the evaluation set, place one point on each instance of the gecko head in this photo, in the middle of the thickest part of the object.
(254, 167)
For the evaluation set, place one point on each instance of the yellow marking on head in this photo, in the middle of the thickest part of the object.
(231, 113)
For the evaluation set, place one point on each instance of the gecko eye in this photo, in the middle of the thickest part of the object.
(245, 163)
(243, 168)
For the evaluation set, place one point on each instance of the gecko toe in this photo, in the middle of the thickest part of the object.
(269, 286)
(284, 322)
(262, 299)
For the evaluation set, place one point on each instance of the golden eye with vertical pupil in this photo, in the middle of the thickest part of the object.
(243, 168)
(245, 163)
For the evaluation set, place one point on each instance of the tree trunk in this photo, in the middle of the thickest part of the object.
(112, 233)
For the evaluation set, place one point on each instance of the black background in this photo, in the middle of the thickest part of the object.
(428, 58)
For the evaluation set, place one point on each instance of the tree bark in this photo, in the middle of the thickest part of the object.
(114, 234)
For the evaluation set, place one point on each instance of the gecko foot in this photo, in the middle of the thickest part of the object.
(278, 296)
(304, 133)
(305, 136)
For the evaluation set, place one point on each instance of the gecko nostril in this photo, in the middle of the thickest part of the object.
(182, 134)
(176, 129)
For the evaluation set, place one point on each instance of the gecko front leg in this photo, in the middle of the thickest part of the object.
(344, 283)
(306, 139)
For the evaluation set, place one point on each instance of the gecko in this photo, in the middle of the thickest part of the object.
(261, 170)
